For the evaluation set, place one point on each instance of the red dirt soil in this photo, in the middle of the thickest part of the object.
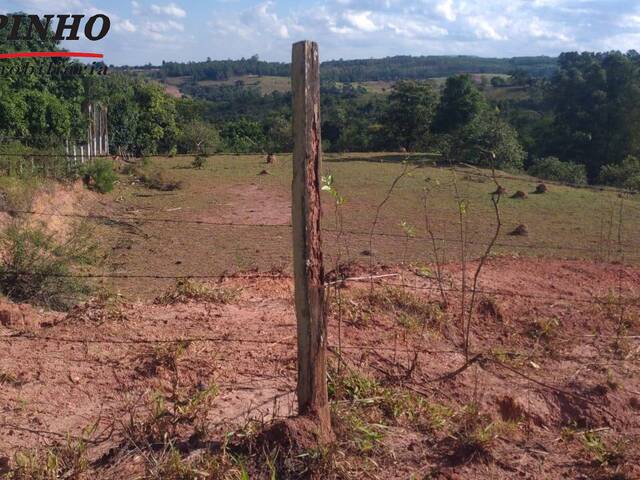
(564, 356)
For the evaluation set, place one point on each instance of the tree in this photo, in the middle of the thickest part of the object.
(243, 136)
(595, 99)
(486, 141)
(460, 103)
(625, 175)
(198, 137)
(409, 114)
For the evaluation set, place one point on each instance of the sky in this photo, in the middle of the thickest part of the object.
(150, 31)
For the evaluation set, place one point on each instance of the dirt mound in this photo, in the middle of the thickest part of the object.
(541, 188)
(296, 435)
(23, 317)
(520, 231)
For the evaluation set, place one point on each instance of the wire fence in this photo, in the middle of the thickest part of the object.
(387, 345)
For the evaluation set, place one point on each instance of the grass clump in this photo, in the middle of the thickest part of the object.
(158, 180)
(37, 269)
(475, 435)
(601, 452)
(187, 290)
(545, 329)
(411, 311)
(99, 175)
(64, 460)
(17, 193)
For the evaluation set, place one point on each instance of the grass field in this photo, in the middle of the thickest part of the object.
(269, 84)
(254, 211)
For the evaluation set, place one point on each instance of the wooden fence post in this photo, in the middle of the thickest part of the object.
(313, 401)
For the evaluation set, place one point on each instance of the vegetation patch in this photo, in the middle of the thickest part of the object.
(37, 269)
(158, 180)
(187, 290)
(99, 175)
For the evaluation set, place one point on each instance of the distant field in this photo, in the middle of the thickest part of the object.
(246, 215)
(269, 84)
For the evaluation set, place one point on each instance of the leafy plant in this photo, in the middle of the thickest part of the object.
(99, 175)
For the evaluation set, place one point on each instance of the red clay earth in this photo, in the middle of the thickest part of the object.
(559, 365)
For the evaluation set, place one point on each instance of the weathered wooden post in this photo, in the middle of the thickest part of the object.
(313, 400)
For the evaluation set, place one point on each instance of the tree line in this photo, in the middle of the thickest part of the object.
(387, 69)
(578, 125)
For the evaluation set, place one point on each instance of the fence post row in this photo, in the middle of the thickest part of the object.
(313, 401)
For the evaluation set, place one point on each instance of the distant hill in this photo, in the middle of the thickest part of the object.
(381, 69)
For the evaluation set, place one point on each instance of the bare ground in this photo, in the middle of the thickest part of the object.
(553, 377)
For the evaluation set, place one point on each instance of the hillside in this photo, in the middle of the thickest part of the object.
(366, 70)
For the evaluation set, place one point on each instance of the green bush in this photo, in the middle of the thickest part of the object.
(551, 168)
(624, 175)
(99, 175)
(35, 268)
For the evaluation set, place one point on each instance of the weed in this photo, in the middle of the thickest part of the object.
(474, 435)
(515, 359)
(168, 415)
(412, 311)
(36, 268)
(544, 329)
(600, 451)
(352, 387)
(187, 290)
(65, 460)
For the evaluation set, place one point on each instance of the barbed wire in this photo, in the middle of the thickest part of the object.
(498, 293)
(131, 218)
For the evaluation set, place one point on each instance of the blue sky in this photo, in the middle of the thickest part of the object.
(155, 30)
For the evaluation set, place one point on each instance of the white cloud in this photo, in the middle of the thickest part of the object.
(361, 21)
(171, 10)
(445, 8)
(125, 26)
(354, 28)
(483, 29)
(265, 21)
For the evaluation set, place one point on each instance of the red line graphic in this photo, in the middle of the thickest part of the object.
(50, 55)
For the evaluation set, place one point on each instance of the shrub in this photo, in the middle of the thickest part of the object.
(199, 161)
(35, 268)
(625, 175)
(99, 175)
(551, 168)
